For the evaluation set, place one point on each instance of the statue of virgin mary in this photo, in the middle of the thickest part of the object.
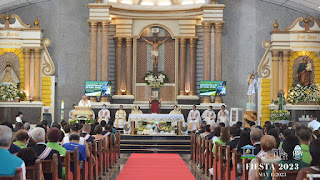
(9, 76)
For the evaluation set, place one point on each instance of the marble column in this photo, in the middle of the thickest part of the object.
(192, 70)
(36, 87)
(27, 56)
(118, 65)
(128, 66)
(182, 66)
(218, 51)
(93, 51)
(275, 74)
(206, 56)
(285, 72)
(104, 51)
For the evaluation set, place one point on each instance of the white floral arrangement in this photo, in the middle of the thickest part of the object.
(155, 81)
(9, 91)
(300, 93)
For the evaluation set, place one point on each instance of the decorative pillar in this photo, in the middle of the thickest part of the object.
(36, 87)
(275, 74)
(104, 51)
(182, 65)
(218, 51)
(206, 56)
(285, 72)
(118, 65)
(128, 65)
(27, 56)
(192, 70)
(93, 51)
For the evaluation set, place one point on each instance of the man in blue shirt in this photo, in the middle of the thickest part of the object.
(74, 140)
(9, 162)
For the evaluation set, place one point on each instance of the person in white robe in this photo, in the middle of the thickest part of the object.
(223, 116)
(175, 110)
(104, 114)
(120, 118)
(71, 113)
(209, 116)
(194, 119)
(136, 110)
(84, 102)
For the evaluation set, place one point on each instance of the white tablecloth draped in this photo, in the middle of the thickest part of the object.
(173, 118)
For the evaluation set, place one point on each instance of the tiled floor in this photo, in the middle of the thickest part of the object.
(114, 172)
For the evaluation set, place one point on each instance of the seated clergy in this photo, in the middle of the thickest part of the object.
(175, 110)
(84, 102)
(43, 151)
(104, 114)
(223, 116)
(194, 119)
(120, 117)
(209, 115)
(8, 161)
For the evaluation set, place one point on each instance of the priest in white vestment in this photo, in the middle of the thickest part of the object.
(136, 110)
(104, 114)
(120, 118)
(194, 119)
(71, 113)
(84, 102)
(209, 116)
(175, 110)
(223, 116)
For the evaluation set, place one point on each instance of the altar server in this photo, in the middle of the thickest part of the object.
(104, 114)
(175, 110)
(223, 116)
(194, 118)
(120, 118)
(84, 102)
(71, 113)
(136, 110)
(209, 116)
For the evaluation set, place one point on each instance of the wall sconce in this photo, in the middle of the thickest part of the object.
(123, 92)
(187, 92)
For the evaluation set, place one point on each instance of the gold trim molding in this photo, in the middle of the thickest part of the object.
(48, 66)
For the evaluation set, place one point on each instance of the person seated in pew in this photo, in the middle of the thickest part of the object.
(9, 162)
(13, 149)
(206, 132)
(244, 139)
(235, 133)
(75, 129)
(103, 124)
(107, 131)
(288, 147)
(86, 129)
(28, 156)
(98, 133)
(212, 126)
(315, 162)
(203, 125)
(304, 136)
(255, 136)
(74, 141)
(217, 133)
(43, 151)
(53, 136)
(58, 126)
(223, 139)
(22, 138)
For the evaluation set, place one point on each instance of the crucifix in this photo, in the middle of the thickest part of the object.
(155, 41)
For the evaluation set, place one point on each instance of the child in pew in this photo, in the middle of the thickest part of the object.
(74, 140)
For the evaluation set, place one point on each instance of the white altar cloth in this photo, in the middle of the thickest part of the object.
(173, 118)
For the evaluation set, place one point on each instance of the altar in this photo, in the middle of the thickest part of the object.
(161, 118)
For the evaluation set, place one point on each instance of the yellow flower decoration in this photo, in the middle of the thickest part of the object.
(308, 91)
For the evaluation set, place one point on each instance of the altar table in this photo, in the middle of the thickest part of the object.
(173, 118)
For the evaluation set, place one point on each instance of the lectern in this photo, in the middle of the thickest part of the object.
(83, 111)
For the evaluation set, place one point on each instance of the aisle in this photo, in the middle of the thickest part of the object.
(155, 167)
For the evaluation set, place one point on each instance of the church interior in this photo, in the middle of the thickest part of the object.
(160, 89)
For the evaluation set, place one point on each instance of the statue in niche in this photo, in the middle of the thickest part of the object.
(9, 76)
(304, 71)
(155, 53)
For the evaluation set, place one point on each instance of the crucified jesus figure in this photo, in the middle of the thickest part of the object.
(155, 53)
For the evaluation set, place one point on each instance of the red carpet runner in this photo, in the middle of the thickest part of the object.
(155, 167)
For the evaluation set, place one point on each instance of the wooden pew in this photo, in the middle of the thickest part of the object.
(74, 157)
(191, 146)
(215, 162)
(201, 154)
(194, 148)
(18, 175)
(227, 166)
(100, 158)
(90, 162)
(51, 167)
(207, 157)
(104, 156)
(236, 159)
(118, 145)
(220, 161)
(289, 174)
(245, 172)
(96, 165)
(107, 152)
(66, 164)
(210, 159)
(197, 149)
(111, 151)
(34, 172)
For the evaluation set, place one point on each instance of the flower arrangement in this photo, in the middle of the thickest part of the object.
(9, 91)
(155, 81)
(277, 115)
(300, 93)
(87, 121)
